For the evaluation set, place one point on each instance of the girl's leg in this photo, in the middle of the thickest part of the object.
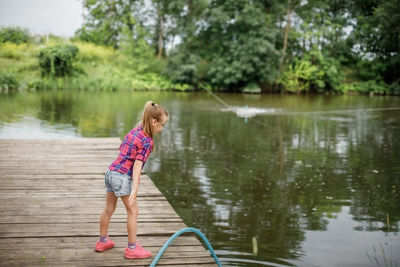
(131, 223)
(108, 211)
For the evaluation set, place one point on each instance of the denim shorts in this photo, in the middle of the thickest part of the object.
(118, 183)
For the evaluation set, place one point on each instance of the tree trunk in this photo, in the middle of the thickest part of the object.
(160, 32)
(321, 37)
(287, 29)
(336, 41)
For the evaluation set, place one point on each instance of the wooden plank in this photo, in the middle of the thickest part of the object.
(101, 260)
(76, 202)
(36, 210)
(63, 157)
(44, 210)
(80, 218)
(51, 205)
(85, 229)
(145, 201)
(99, 182)
(64, 194)
(49, 186)
(56, 170)
(83, 252)
(80, 140)
(58, 176)
(82, 242)
(55, 193)
(50, 208)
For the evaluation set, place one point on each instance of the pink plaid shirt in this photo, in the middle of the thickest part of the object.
(136, 146)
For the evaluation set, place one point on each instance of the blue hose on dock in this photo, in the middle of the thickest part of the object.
(185, 230)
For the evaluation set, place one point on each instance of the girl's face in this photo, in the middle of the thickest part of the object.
(159, 125)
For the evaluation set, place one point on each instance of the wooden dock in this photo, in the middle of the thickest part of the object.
(51, 198)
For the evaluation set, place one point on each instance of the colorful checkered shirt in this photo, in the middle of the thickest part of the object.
(136, 146)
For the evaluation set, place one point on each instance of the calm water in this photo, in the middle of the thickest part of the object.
(307, 181)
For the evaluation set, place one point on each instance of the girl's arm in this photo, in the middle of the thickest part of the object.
(137, 169)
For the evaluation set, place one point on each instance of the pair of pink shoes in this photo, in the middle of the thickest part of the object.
(136, 253)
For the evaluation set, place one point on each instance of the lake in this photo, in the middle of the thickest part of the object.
(271, 180)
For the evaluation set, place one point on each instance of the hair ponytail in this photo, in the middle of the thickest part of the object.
(151, 111)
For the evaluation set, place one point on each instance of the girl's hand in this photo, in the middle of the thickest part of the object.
(132, 198)
(137, 169)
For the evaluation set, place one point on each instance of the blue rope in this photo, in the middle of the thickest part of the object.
(185, 230)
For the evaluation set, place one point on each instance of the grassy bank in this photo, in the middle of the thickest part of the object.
(97, 68)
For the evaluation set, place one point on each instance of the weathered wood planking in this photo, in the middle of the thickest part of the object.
(51, 198)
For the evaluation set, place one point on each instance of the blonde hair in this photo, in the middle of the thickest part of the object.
(151, 111)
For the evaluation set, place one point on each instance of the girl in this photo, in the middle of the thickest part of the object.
(123, 177)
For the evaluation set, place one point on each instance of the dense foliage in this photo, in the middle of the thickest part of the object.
(15, 35)
(295, 46)
(239, 45)
(58, 60)
(7, 81)
(313, 72)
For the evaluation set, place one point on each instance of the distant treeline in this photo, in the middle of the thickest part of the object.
(253, 46)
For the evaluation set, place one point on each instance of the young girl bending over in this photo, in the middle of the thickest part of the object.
(123, 177)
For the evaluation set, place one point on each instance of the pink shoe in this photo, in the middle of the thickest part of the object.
(104, 246)
(137, 253)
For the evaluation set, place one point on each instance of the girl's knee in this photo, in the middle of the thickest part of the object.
(133, 210)
(109, 211)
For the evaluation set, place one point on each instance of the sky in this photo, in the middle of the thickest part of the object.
(59, 17)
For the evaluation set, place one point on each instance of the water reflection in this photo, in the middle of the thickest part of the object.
(279, 178)
(57, 107)
(299, 187)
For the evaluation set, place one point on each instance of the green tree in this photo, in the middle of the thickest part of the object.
(378, 36)
(239, 38)
(106, 20)
(290, 7)
(162, 10)
(184, 68)
(15, 35)
(187, 60)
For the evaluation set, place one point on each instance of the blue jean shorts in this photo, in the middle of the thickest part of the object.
(118, 183)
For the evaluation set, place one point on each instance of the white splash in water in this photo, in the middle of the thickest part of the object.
(246, 112)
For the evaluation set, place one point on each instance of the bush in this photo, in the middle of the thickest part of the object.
(8, 81)
(371, 86)
(252, 88)
(58, 60)
(394, 88)
(15, 35)
(315, 72)
(12, 50)
(183, 68)
(329, 75)
(297, 78)
(90, 52)
(370, 69)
